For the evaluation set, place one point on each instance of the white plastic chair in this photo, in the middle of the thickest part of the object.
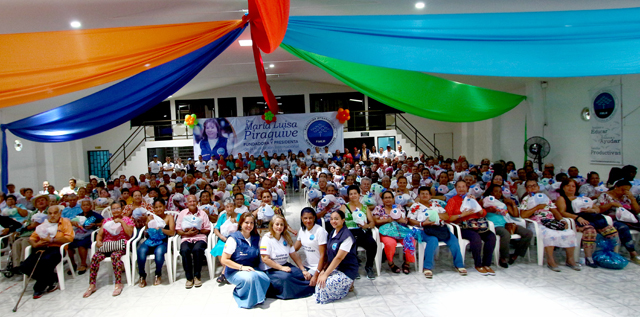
(59, 267)
(126, 258)
(539, 240)
(177, 240)
(381, 252)
(423, 245)
(496, 251)
(376, 237)
(106, 213)
(150, 258)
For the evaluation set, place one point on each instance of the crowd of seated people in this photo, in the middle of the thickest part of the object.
(367, 199)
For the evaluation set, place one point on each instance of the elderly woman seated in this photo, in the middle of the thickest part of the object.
(118, 228)
(392, 222)
(83, 226)
(554, 232)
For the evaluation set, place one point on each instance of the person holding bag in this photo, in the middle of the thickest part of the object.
(554, 231)
(433, 233)
(160, 226)
(474, 227)
(619, 198)
(500, 209)
(110, 241)
(392, 223)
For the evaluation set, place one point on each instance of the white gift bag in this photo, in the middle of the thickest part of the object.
(114, 228)
(47, 230)
(625, 215)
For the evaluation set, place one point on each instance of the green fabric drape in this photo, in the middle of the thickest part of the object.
(415, 92)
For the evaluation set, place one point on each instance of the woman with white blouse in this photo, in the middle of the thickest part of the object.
(287, 281)
(312, 238)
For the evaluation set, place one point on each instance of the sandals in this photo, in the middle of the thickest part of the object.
(406, 268)
(462, 271)
(118, 290)
(427, 273)
(82, 269)
(394, 268)
(89, 292)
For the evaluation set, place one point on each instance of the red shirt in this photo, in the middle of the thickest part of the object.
(239, 163)
(348, 158)
(453, 208)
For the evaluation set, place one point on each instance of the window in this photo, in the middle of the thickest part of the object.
(200, 107)
(154, 116)
(256, 106)
(227, 107)
(98, 163)
(354, 101)
(378, 114)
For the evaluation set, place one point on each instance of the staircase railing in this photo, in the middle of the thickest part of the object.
(422, 144)
(137, 137)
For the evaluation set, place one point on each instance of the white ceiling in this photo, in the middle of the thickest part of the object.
(235, 65)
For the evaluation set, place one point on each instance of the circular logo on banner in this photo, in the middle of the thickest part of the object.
(604, 105)
(319, 132)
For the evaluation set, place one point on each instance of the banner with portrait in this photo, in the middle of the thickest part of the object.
(290, 132)
(606, 125)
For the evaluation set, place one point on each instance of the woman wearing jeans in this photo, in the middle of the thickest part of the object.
(156, 243)
(481, 255)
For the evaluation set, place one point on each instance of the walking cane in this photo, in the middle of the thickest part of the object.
(15, 309)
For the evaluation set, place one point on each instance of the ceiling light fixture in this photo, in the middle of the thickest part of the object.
(75, 24)
(245, 42)
(272, 66)
(356, 100)
(420, 5)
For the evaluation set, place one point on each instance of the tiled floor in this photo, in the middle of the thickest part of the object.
(524, 289)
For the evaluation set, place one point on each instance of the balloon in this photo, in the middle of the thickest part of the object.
(269, 117)
(343, 115)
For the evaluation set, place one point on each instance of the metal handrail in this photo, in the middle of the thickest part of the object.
(416, 134)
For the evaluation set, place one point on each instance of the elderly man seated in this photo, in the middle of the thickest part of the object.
(73, 209)
(41, 203)
(46, 241)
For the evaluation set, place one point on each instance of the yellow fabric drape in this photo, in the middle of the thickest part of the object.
(40, 65)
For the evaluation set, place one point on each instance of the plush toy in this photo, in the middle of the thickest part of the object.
(139, 212)
(368, 200)
(228, 227)
(581, 202)
(472, 204)
(486, 176)
(343, 191)
(39, 217)
(306, 182)
(438, 205)
(191, 221)
(9, 212)
(359, 217)
(625, 215)
(47, 230)
(403, 199)
(475, 190)
(505, 191)
(513, 175)
(602, 188)
(314, 193)
(79, 220)
(102, 201)
(442, 189)
(338, 179)
(540, 199)
(426, 182)
(377, 189)
(112, 227)
(265, 213)
(255, 204)
(285, 178)
(396, 213)
(491, 201)
(156, 223)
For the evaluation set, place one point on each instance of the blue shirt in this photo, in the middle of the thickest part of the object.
(71, 212)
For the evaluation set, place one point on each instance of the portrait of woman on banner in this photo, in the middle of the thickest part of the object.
(211, 138)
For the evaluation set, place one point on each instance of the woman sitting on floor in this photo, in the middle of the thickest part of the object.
(287, 281)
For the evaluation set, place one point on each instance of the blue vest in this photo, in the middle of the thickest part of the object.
(245, 254)
(349, 265)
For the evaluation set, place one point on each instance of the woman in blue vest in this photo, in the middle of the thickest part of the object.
(241, 256)
(341, 268)
(212, 142)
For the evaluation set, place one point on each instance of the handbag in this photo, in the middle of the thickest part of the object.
(479, 224)
(440, 232)
(511, 227)
(112, 246)
(554, 224)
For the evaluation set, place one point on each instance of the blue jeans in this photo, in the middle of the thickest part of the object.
(432, 245)
(158, 251)
(295, 182)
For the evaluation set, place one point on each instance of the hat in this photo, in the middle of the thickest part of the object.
(225, 169)
(155, 156)
(39, 196)
(189, 159)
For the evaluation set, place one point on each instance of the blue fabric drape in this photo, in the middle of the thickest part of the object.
(529, 44)
(115, 105)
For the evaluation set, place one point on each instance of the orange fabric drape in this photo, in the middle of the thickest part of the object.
(35, 66)
(269, 22)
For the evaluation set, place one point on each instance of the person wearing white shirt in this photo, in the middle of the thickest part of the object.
(389, 153)
(212, 165)
(326, 155)
(71, 189)
(45, 188)
(179, 167)
(400, 154)
(317, 156)
(155, 166)
(201, 165)
(168, 167)
(308, 158)
(312, 238)
(287, 281)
